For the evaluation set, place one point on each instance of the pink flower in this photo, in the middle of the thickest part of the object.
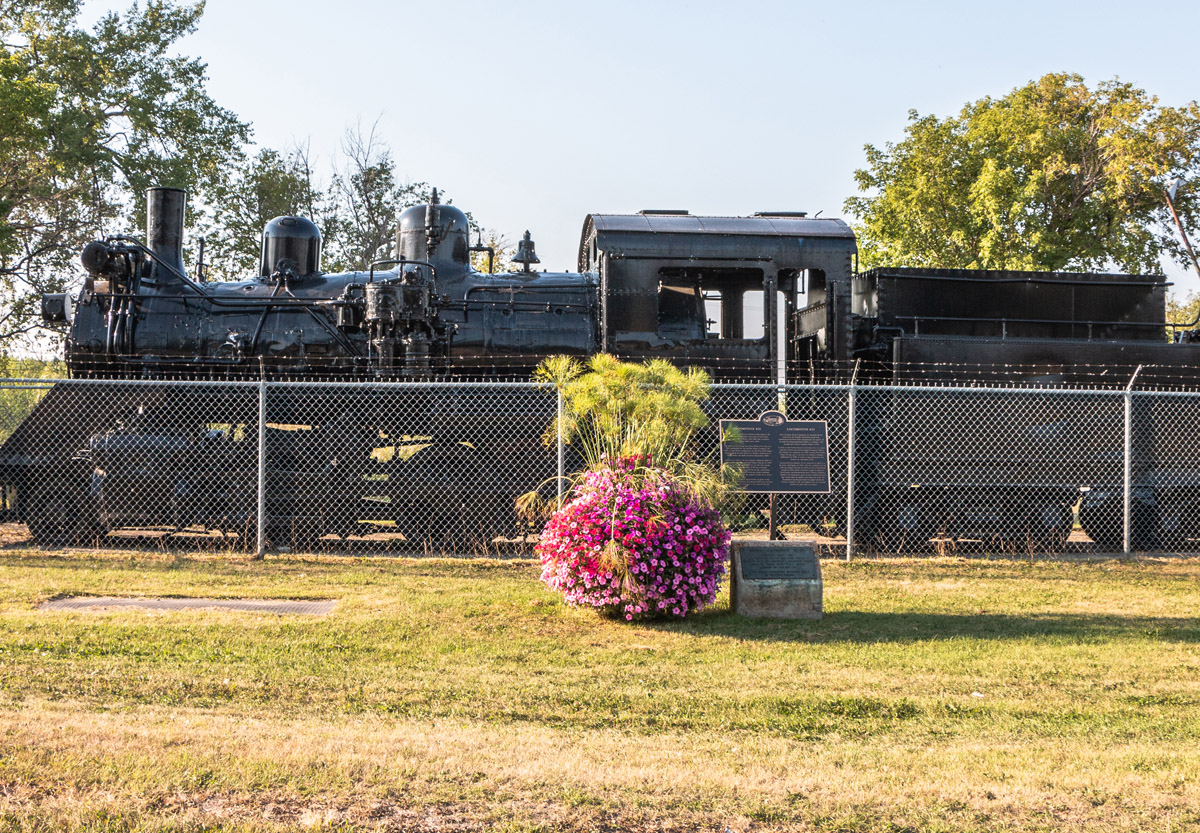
(673, 546)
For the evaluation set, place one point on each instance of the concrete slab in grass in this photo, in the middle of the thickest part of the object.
(93, 604)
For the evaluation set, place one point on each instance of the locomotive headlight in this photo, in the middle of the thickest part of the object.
(57, 306)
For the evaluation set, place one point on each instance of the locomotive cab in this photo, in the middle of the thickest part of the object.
(708, 291)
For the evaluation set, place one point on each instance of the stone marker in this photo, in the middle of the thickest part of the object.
(776, 580)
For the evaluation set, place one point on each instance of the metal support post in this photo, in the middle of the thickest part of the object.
(852, 397)
(561, 461)
(262, 469)
(1127, 520)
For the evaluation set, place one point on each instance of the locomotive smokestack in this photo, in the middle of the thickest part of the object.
(164, 228)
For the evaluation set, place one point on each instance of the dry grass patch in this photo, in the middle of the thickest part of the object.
(936, 695)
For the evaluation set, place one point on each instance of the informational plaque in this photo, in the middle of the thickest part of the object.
(777, 580)
(777, 455)
(770, 561)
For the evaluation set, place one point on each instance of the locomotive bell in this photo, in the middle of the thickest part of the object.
(293, 238)
(525, 253)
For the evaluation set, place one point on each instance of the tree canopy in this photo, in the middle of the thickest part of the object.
(1183, 310)
(88, 120)
(91, 117)
(271, 184)
(1053, 176)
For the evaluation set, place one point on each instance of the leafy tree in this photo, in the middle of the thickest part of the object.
(504, 250)
(648, 413)
(1183, 310)
(616, 409)
(89, 120)
(1052, 176)
(270, 185)
(366, 202)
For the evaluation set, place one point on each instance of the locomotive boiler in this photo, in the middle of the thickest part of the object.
(772, 297)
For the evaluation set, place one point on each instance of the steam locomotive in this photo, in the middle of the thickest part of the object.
(772, 298)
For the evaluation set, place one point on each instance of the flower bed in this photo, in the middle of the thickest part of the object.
(635, 541)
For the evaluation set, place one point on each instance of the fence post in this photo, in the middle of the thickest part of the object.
(261, 547)
(1127, 519)
(852, 397)
(561, 462)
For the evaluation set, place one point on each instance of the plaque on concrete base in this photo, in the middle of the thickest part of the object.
(776, 580)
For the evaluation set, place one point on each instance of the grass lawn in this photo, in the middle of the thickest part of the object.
(936, 695)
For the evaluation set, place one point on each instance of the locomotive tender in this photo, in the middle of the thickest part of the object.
(773, 297)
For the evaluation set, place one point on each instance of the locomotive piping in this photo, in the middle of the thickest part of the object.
(262, 319)
(253, 303)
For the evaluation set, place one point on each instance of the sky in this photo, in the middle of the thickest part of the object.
(532, 115)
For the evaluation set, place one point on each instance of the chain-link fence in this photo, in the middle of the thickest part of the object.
(469, 468)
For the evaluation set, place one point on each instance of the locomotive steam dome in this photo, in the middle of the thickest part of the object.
(436, 233)
(293, 238)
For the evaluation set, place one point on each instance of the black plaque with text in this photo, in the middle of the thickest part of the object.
(773, 562)
(775, 454)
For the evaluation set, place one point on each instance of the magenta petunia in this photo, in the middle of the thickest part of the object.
(616, 545)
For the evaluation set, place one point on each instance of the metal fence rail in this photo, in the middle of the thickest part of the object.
(442, 467)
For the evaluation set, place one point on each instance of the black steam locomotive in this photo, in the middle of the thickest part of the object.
(644, 288)
(772, 298)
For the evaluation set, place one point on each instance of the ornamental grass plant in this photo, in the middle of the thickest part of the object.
(640, 534)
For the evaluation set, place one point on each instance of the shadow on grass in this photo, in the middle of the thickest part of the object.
(867, 627)
(184, 544)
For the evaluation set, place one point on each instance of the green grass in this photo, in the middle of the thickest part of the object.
(942, 694)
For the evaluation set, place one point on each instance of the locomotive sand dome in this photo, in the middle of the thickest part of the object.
(291, 244)
(101, 451)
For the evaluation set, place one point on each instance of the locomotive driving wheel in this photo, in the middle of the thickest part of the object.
(58, 514)
(453, 501)
(1101, 514)
(899, 522)
(299, 533)
(56, 530)
(1047, 528)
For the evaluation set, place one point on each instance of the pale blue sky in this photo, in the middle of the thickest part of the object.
(533, 114)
